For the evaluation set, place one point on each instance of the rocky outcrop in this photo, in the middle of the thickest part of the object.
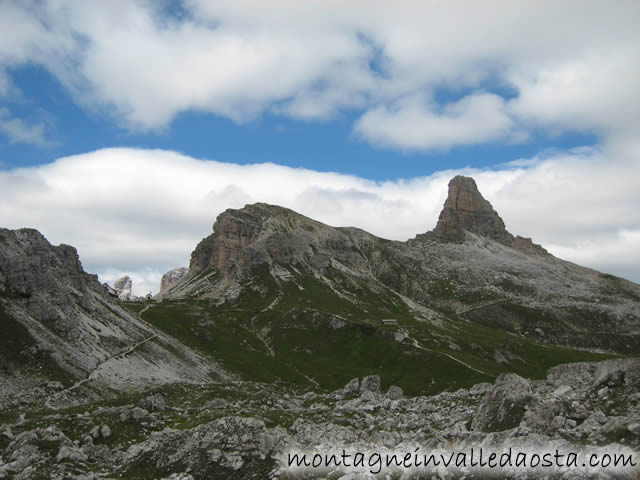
(123, 287)
(465, 209)
(172, 277)
(247, 434)
(29, 264)
(370, 383)
(266, 234)
(60, 323)
(504, 406)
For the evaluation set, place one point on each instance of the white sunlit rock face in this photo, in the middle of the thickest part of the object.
(123, 286)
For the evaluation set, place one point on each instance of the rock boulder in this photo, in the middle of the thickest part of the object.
(503, 407)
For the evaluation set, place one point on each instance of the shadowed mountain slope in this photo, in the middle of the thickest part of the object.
(60, 324)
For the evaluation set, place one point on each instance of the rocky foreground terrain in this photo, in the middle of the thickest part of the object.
(287, 335)
(244, 430)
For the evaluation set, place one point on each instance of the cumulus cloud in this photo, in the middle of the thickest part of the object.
(119, 209)
(571, 65)
(620, 253)
(580, 93)
(413, 125)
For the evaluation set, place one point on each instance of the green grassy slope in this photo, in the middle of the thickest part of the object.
(308, 333)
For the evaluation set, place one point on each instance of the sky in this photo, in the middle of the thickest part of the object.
(126, 127)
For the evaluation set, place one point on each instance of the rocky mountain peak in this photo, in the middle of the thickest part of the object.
(466, 209)
(260, 233)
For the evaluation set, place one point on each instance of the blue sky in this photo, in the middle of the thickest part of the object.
(117, 115)
(319, 144)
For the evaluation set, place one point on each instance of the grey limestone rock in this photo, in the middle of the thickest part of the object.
(71, 453)
(370, 383)
(105, 431)
(466, 210)
(74, 330)
(352, 387)
(172, 277)
(123, 286)
(504, 406)
(154, 403)
(395, 392)
(262, 233)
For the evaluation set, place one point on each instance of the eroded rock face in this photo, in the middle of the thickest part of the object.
(71, 329)
(27, 260)
(465, 209)
(172, 277)
(266, 234)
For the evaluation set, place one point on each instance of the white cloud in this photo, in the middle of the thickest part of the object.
(620, 253)
(413, 125)
(142, 212)
(19, 131)
(571, 65)
(589, 93)
(143, 280)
